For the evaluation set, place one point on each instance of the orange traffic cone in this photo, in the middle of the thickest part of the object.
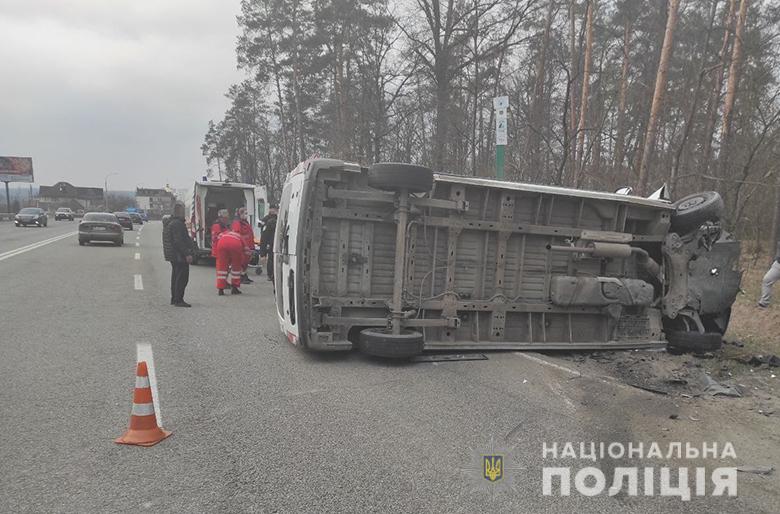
(143, 430)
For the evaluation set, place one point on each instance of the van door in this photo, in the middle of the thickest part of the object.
(285, 255)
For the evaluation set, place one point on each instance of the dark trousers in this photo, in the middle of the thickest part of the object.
(269, 265)
(180, 276)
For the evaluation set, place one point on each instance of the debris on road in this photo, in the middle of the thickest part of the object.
(758, 360)
(757, 470)
(713, 388)
(447, 357)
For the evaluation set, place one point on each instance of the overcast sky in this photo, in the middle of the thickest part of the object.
(91, 87)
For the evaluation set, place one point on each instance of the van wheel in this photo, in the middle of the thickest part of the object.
(381, 342)
(693, 210)
(393, 176)
(694, 341)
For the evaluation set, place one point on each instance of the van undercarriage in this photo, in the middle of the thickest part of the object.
(399, 265)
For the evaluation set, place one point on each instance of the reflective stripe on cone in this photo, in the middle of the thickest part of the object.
(143, 430)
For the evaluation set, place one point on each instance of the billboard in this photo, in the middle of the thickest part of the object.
(16, 169)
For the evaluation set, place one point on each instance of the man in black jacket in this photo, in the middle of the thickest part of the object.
(267, 240)
(177, 249)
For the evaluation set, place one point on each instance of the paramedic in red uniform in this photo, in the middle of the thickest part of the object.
(230, 259)
(242, 227)
(218, 228)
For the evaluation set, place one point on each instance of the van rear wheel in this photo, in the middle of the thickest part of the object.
(381, 342)
(394, 176)
(694, 210)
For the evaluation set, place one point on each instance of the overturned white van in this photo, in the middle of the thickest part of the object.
(397, 260)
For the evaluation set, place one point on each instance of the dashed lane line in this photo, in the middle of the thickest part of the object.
(33, 246)
(137, 256)
(138, 283)
(143, 352)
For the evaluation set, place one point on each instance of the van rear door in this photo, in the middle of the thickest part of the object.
(285, 255)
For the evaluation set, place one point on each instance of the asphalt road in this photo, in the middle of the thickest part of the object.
(259, 425)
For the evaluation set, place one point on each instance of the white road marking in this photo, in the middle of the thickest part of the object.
(137, 256)
(139, 283)
(33, 246)
(138, 244)
(602, 379)
(548, 363)
(143, 352)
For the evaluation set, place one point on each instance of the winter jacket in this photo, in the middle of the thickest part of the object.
(177, 244)
(269, 229)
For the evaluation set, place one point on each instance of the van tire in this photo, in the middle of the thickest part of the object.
(381, 342)
(393, 176)
(694, 341)
(693, 210)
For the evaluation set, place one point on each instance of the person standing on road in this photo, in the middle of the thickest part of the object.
(771, 276)
(218, 228)
(178, 250)
(241, 226)
(230, 259)
(267, 240)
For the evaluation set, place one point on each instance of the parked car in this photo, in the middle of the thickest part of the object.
(396, 260)
(125, 220)
(64, 213)
(100, 226)
(31, 216)
(136, 218)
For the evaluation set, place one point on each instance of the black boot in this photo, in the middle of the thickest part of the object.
(235, 290)
(221, 292)
(245, 279)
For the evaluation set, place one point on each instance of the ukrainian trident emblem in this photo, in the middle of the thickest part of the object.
(493, 467)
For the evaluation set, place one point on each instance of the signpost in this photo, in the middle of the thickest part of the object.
(15, 169)
(501, 105)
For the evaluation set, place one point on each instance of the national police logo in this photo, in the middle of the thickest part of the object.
(493, 467)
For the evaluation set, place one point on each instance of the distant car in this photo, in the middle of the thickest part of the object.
(64, 213)
(100, 226)
(125, 220)
(137, 219)
(31, 216)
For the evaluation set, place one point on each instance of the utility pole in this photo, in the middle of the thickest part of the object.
(7, 197)
(105, 190)
(501, 105)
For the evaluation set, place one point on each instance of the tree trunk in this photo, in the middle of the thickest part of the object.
(712, 104)
(731, 87)
(535, 125)
(574, 71)
(694, 104)
(658, 94)
(580, 163)
(620, 137)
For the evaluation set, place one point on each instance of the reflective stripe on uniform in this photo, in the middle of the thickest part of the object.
(142, 409)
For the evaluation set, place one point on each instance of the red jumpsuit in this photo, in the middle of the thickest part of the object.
(217, 229)
(230, 258)
(243, 228)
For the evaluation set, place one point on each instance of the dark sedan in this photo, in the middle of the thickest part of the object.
(100, 226)
(137, 219)
(124, 219)
(31, 216)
